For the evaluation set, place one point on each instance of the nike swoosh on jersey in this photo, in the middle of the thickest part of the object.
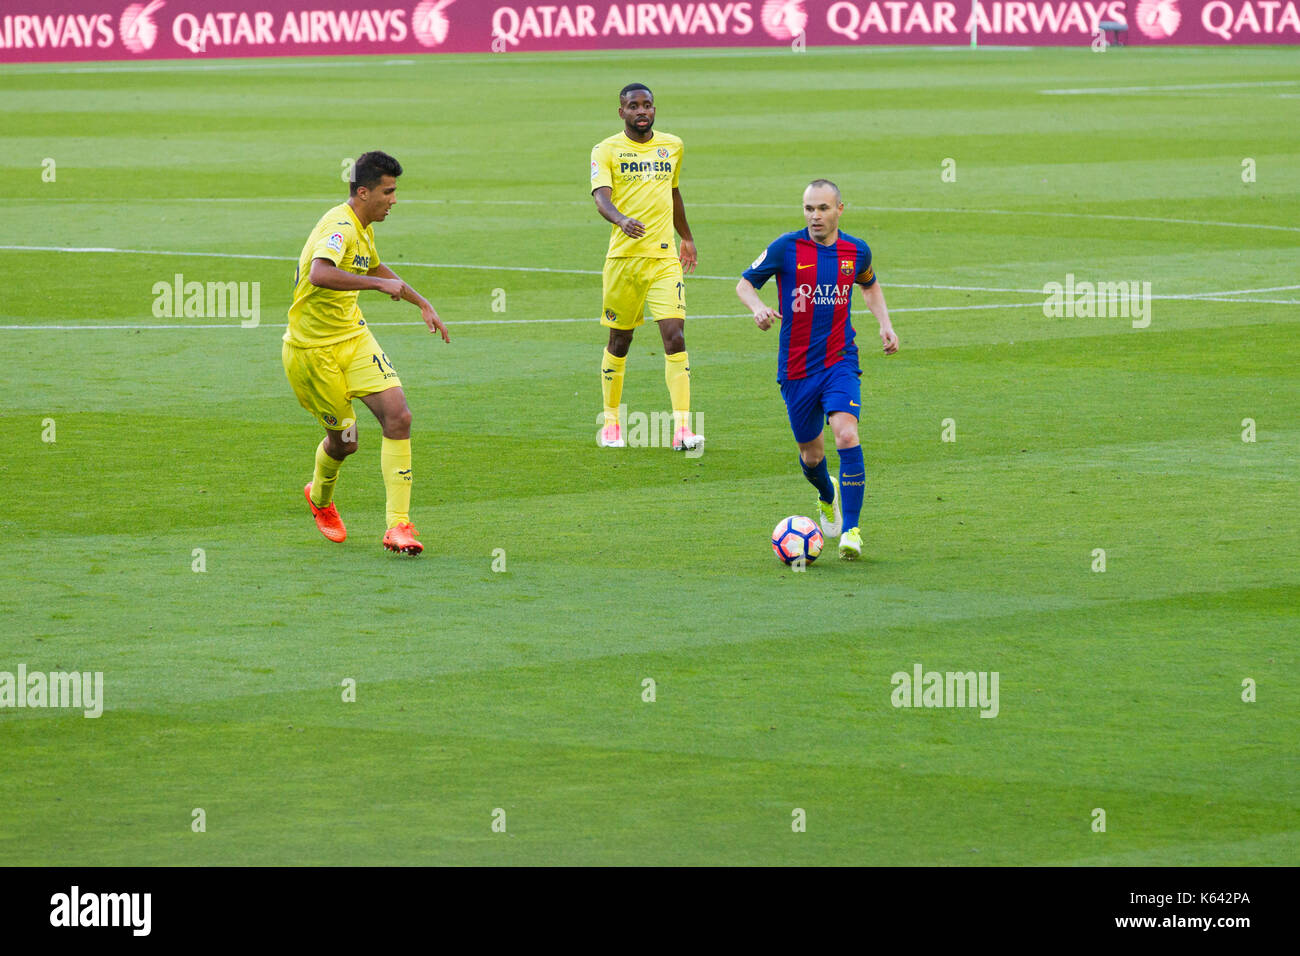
(806, 265)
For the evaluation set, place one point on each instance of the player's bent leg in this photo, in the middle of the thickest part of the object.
(853, 481)
(812, 459)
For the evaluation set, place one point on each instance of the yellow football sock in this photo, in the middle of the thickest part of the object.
(323, 478)
(677, 372)
(611, 384)
(395, 460)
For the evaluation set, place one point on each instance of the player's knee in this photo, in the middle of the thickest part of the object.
(675, 342)
(619, 343)
(340, 449)
(400, 421)
(846, 434)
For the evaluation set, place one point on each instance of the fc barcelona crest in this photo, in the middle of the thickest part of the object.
(846, 267)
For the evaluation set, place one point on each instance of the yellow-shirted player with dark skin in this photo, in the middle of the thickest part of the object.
(634, 183)
(331, 356)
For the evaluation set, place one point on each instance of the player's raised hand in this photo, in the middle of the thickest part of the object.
(688, 256)
(765, 316)
(631, 227)
(393, 288)
(434, 323)
(890, 339)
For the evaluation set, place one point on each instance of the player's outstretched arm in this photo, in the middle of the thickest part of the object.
(875, 297)
(605, 204)
(408, 294)
(687, 253)
(764, 315)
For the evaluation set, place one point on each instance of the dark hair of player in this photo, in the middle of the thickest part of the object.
(827, 182)
(372, 167)
(632, 88)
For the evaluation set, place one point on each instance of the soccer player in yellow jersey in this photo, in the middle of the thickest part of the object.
(331, 356)
(634, 183)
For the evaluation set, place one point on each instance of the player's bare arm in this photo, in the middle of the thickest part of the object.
(875, 299)
(427, 311)
(326, 275)
(764, 315)
(632, 228)
(687, 253)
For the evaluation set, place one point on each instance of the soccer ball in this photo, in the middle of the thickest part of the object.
(797, 537)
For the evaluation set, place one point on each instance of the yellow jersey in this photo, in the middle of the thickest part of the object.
(324, 316)
(642, 177)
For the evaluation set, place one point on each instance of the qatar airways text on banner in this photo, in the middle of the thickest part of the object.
(54, 30)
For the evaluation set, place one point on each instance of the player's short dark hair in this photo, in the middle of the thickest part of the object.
(370, 168)
(632, 88)
(826, 182)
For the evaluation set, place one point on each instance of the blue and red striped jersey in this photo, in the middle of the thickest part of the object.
(814, 284)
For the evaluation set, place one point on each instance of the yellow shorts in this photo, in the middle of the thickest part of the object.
(328, 377)
(632, 283)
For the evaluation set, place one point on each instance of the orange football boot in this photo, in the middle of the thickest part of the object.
(327, 518)
(401, 537)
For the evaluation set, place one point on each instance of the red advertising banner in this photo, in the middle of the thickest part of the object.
(62, 30)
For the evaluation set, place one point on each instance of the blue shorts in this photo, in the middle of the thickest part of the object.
(810, 401)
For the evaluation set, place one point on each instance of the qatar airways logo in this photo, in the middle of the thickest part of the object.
(1158, 19)
(137, 29)
(512, 25)
(429, 24)
(783, 19)
(820, 294)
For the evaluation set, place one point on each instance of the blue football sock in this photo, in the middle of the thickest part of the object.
(853, 484)
(820, 478)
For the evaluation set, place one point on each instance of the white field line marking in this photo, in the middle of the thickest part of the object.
(594, 272)
(448, 265)
(1105, 90)
(1200, 298)
(452, 323)
(1111, 217)
(1275, 288)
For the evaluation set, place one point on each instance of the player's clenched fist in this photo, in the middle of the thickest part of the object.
(764, 318)
(392, 288)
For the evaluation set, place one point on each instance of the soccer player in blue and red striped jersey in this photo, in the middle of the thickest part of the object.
(816, 269)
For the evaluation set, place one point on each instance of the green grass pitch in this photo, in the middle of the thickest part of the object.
(522, 690)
